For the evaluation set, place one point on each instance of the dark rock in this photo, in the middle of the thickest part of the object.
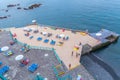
(25, 8)
(13, 5)
(18, 4)
(32, 6)
(19, 8)
(2, 9)
(9, 15)
(6, 10)
(3, 17)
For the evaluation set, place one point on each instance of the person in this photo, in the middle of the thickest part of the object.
(76, 54)
(69, 66)
(15, 40)
(14, 35)
(72, 53)
(79, 43)
(63, 30)
(40, 32)
(27, 34)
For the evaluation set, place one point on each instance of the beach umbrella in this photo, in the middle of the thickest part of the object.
(19, 57)
(26, 29)
(46, 55)
(62, 35)
(34, 21)
(44, 33)
(32, 28)
(98, 34)
(5, 48)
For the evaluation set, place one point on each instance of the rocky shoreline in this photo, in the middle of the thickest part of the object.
(31, 7)
(4, 17)
(12, 5)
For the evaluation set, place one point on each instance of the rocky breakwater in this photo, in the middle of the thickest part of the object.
(4, 17)
(32, 6)
(13, 5)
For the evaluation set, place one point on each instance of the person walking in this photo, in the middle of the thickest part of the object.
(72, 53)
(76, 54)
(69, 66)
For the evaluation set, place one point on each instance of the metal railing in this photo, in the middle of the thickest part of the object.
(59, 60)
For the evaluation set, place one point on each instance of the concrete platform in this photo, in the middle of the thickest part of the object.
(64, 51)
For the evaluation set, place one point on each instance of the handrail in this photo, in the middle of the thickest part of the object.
(2, 77)
(59, 60)
(38, 47)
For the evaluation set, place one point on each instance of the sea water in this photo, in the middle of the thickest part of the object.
(76, 14)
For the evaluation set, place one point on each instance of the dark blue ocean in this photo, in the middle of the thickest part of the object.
(76, 14)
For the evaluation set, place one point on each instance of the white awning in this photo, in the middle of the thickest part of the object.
(26, 28)
(44, 33)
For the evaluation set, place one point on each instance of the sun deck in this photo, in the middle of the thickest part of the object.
(64, 51)
(46, 63)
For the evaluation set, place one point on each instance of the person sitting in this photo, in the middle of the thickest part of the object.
(14, 35)
(27, 34)
(12, 42)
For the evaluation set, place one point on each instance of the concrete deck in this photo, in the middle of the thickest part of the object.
(36, 56)
(64, 51)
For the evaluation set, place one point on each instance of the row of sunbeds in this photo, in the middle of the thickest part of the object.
(52, 42)
(4, 69)
(32, 68)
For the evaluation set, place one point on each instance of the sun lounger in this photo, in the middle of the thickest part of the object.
(4, 69)
(0, 63)
(60, 43)
(39, 77)
(24, 62)
(65, 38)
(52, 42)
(39, 38)
(27, 34)
(46, 40)
(22, 49)
(83, 33)
(49, 34)
(35, 31)
(30, 37)
(12, 42)
(33, 67)
(9, 53)
(29, 30)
